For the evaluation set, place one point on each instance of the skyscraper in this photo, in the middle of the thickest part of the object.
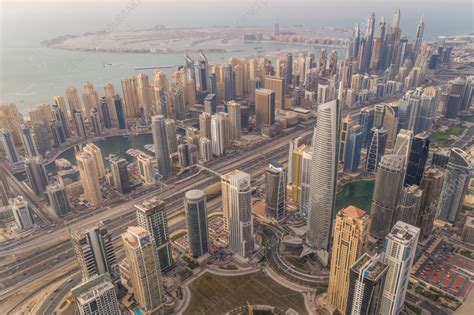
(73, 99)
(409, 204)
(120, 176)
(305, 196)
(60, 115)
(36, 173)
(145, 169)
(203, 72)
(275, 191)
(120, 112)
(94, 251)
(9, 146)
(28, 142)
(90, 98)
(367, 280)
(205, 149)
(350, 235)
(403, 143)
(376, 148)
(264, 107)
(87, 165)
(455, 184)
(42, 138)
(388, 184)
(145, 274)
(105, 111)
(366, 120)
(417, 158)
(237, 209)
(235, 129)
(151, 215)
(277, 85)
(399, 253)
(324, 176)
(205, 125)
(210, 104)
(95, 122)
(57, 199)
(229, 83)
(58, 133)
(468, 93)
(195, 207)
(426, 112)
(431, 184)
(170, 130)
(78, 119)
(96, 296)
(353, 148)
(22, 213)
(289, 68)
(130, 97)
(11, 119)
(419, 36)
(345, 126)
(454, 101)
(161, 145)
(218, 134)
(96, 154)
(390, 123)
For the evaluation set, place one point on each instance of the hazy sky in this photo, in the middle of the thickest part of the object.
(73, 16)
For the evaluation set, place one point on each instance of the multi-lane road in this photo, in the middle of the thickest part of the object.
(51, 252)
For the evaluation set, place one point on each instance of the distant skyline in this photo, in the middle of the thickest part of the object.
(32, 74)
(86, 16)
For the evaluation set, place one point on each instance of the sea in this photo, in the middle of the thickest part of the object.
(31, 74)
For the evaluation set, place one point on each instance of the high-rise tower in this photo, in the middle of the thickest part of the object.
(458, 172)
(399, 253)
(151, 215)
(388, 184)
(237, 208)
(94, 251)
(275, 191)
(161, 144)
(145, 275)
(195, 209)
(350, 234)
(324, 176)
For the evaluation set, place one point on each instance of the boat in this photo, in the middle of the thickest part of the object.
(153, 67)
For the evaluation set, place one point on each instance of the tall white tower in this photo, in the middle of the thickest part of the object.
(324, 177)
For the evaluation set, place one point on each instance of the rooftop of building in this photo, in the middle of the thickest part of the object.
(275, 167)
(373, 267)
(403, 232)
(149, 204)
(136, 236)
(353, 212)
(264, 91)
(392, 161)
(92, 288)
(469, 222)
(414, 190)
(194, 194)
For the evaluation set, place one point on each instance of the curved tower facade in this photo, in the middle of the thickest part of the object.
(324, 175)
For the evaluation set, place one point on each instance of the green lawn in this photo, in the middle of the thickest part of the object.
(467, 253)
(441, 137)
(213, 294)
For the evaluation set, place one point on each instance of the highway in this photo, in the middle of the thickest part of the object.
(47, 253)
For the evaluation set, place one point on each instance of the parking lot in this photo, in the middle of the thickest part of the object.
(443, 269)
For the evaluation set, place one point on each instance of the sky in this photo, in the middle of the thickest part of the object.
(58, 17)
